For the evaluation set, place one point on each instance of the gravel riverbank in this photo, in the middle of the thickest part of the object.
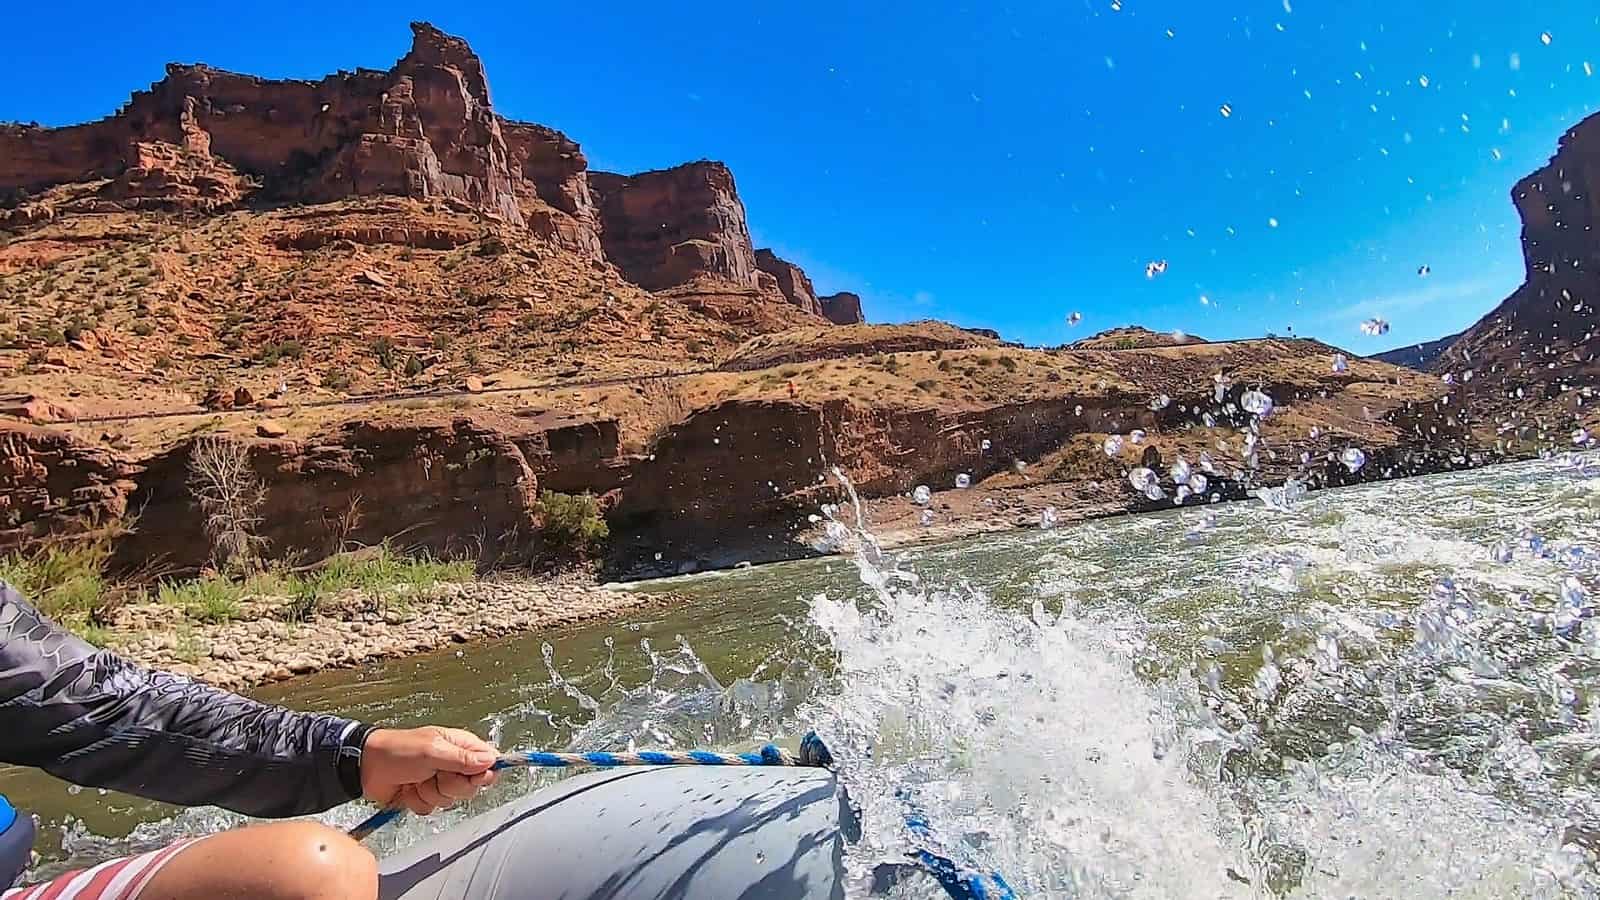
(259, 647)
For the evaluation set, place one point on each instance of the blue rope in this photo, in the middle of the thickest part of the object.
(770, 755)
(960, 882)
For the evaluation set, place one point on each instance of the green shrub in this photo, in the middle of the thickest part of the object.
(693, 347)
(214, 599)
(414, 366)
(383, 351)
(1008, 363)
(573, 524)
(337, 380)
(303, 604)
(272, 354)
(66, 583)
(384, 568)
(48, 334)
(143, 328)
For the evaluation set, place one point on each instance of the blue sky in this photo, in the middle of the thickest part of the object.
(999, 165)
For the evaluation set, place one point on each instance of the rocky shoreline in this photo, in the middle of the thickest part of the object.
(259, 647)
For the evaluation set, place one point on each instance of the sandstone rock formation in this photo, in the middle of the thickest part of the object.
(207, 140)
(1531, 356)
(424, 128)
(553, 190)
(668, 227)
(843, 308)
(792, 281)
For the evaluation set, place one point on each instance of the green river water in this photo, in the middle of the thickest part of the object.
(1389, 690)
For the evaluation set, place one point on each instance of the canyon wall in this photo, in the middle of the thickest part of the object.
(202, 139)
(668, 227)
(1529, 356)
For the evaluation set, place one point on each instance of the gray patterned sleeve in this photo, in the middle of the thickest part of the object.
(93, 718)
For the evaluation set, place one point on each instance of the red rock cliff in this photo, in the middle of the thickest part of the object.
(843, 308)
(553, 189)
(425, 128)
(205, 139)
(1544, 337)
(669, 227)
(792, 281)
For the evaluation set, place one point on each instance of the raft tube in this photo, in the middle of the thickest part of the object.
(711, 833)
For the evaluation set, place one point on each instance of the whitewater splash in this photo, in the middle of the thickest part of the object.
(1041, 745)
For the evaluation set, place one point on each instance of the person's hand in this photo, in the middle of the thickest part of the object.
(424, 769)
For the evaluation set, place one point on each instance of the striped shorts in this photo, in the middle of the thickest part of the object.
(119, 879)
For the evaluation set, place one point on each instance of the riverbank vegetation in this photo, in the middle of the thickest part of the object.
(69, 584)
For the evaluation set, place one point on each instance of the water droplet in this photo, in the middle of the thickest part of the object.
(927, 517)
(1375, 327)
(1422, 80)
(1113, 444)
(1141, 478)
(1074, 318)
(1020, 466)
(1256, 403)
(1580, 436)
(1198, 483)
(1353, 458)
(1501, 552)
(1226, 110)
(1048, 517)
(1153, 491)
(1159, 403)
(74, 789)
(1340, 364)
(1136, 436)
(1155, 268)
(1180, 471)
(1545, 39)
(1423, 271)
(836, 532)
(922, 495)
(984, 444)
(963, 481)
(1272, 223)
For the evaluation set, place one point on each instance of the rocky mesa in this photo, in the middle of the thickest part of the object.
(205, 140)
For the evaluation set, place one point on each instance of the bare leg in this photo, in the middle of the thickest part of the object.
(279, 861)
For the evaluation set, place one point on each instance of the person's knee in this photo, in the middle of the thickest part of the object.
(322, 863)
(277, 861)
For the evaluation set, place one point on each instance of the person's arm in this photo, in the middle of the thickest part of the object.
(93, 718)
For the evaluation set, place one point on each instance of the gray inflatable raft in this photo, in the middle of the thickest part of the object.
(710, 833)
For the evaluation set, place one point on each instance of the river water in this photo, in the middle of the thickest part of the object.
(1390, 690)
